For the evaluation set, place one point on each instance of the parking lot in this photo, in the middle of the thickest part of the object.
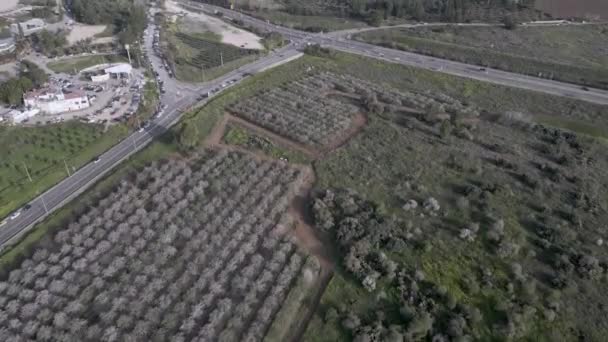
(112, 101)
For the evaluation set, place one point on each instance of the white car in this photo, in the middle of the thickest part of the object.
(15, 215)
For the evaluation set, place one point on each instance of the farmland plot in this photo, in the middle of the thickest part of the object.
(211, 54)
(318, 108)
(300, 111)
(186, 251)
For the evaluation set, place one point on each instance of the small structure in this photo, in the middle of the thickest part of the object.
(53, 100)
(121, 70)
(103, 72)
(7, 45)
(28, 27)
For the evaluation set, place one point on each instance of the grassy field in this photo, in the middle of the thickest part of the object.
(568, 53)
(74, 65)
(45, 151)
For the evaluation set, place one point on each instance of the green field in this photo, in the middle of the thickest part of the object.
(45, 151)
(74, 65)
(568, 53)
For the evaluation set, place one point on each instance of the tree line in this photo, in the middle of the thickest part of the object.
(30, 77)
(374, 11)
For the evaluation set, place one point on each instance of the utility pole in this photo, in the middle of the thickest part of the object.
(28, 172)
(66, 167)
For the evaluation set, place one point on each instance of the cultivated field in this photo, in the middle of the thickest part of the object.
(45, 151)
(571, 53)
(211, 54)
(193, 249)
(299, 111)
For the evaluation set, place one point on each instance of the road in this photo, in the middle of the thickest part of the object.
(179, 98)
(341, 43)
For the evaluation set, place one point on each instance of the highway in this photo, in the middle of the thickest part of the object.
(341, 43)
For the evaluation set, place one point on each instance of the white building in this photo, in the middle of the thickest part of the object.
(7, 45)
(103, 72)
(54, 101)
(28, 27)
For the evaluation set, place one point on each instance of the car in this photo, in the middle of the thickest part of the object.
(585, 88)
(15, 215)
(27, 206)
(141, 129)
(482, 69)
(96, 160)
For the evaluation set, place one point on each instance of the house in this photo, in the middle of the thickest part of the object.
(53, 100)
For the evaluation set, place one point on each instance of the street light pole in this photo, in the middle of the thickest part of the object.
(27, 172)
(66, 167)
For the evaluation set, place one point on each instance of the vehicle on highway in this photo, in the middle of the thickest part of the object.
(27, 206)
(141, 129)
(585, 88)
(15, 215)
(96, 160)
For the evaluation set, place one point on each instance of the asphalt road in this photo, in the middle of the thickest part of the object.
(301, 38)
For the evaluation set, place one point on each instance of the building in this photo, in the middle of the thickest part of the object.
(28, 27)
(103, 72)
(119, 70)
(53, 100)
(7, 45)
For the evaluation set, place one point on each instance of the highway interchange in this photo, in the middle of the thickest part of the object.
(180, 97)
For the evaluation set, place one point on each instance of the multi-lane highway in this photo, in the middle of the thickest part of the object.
(340, 42)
